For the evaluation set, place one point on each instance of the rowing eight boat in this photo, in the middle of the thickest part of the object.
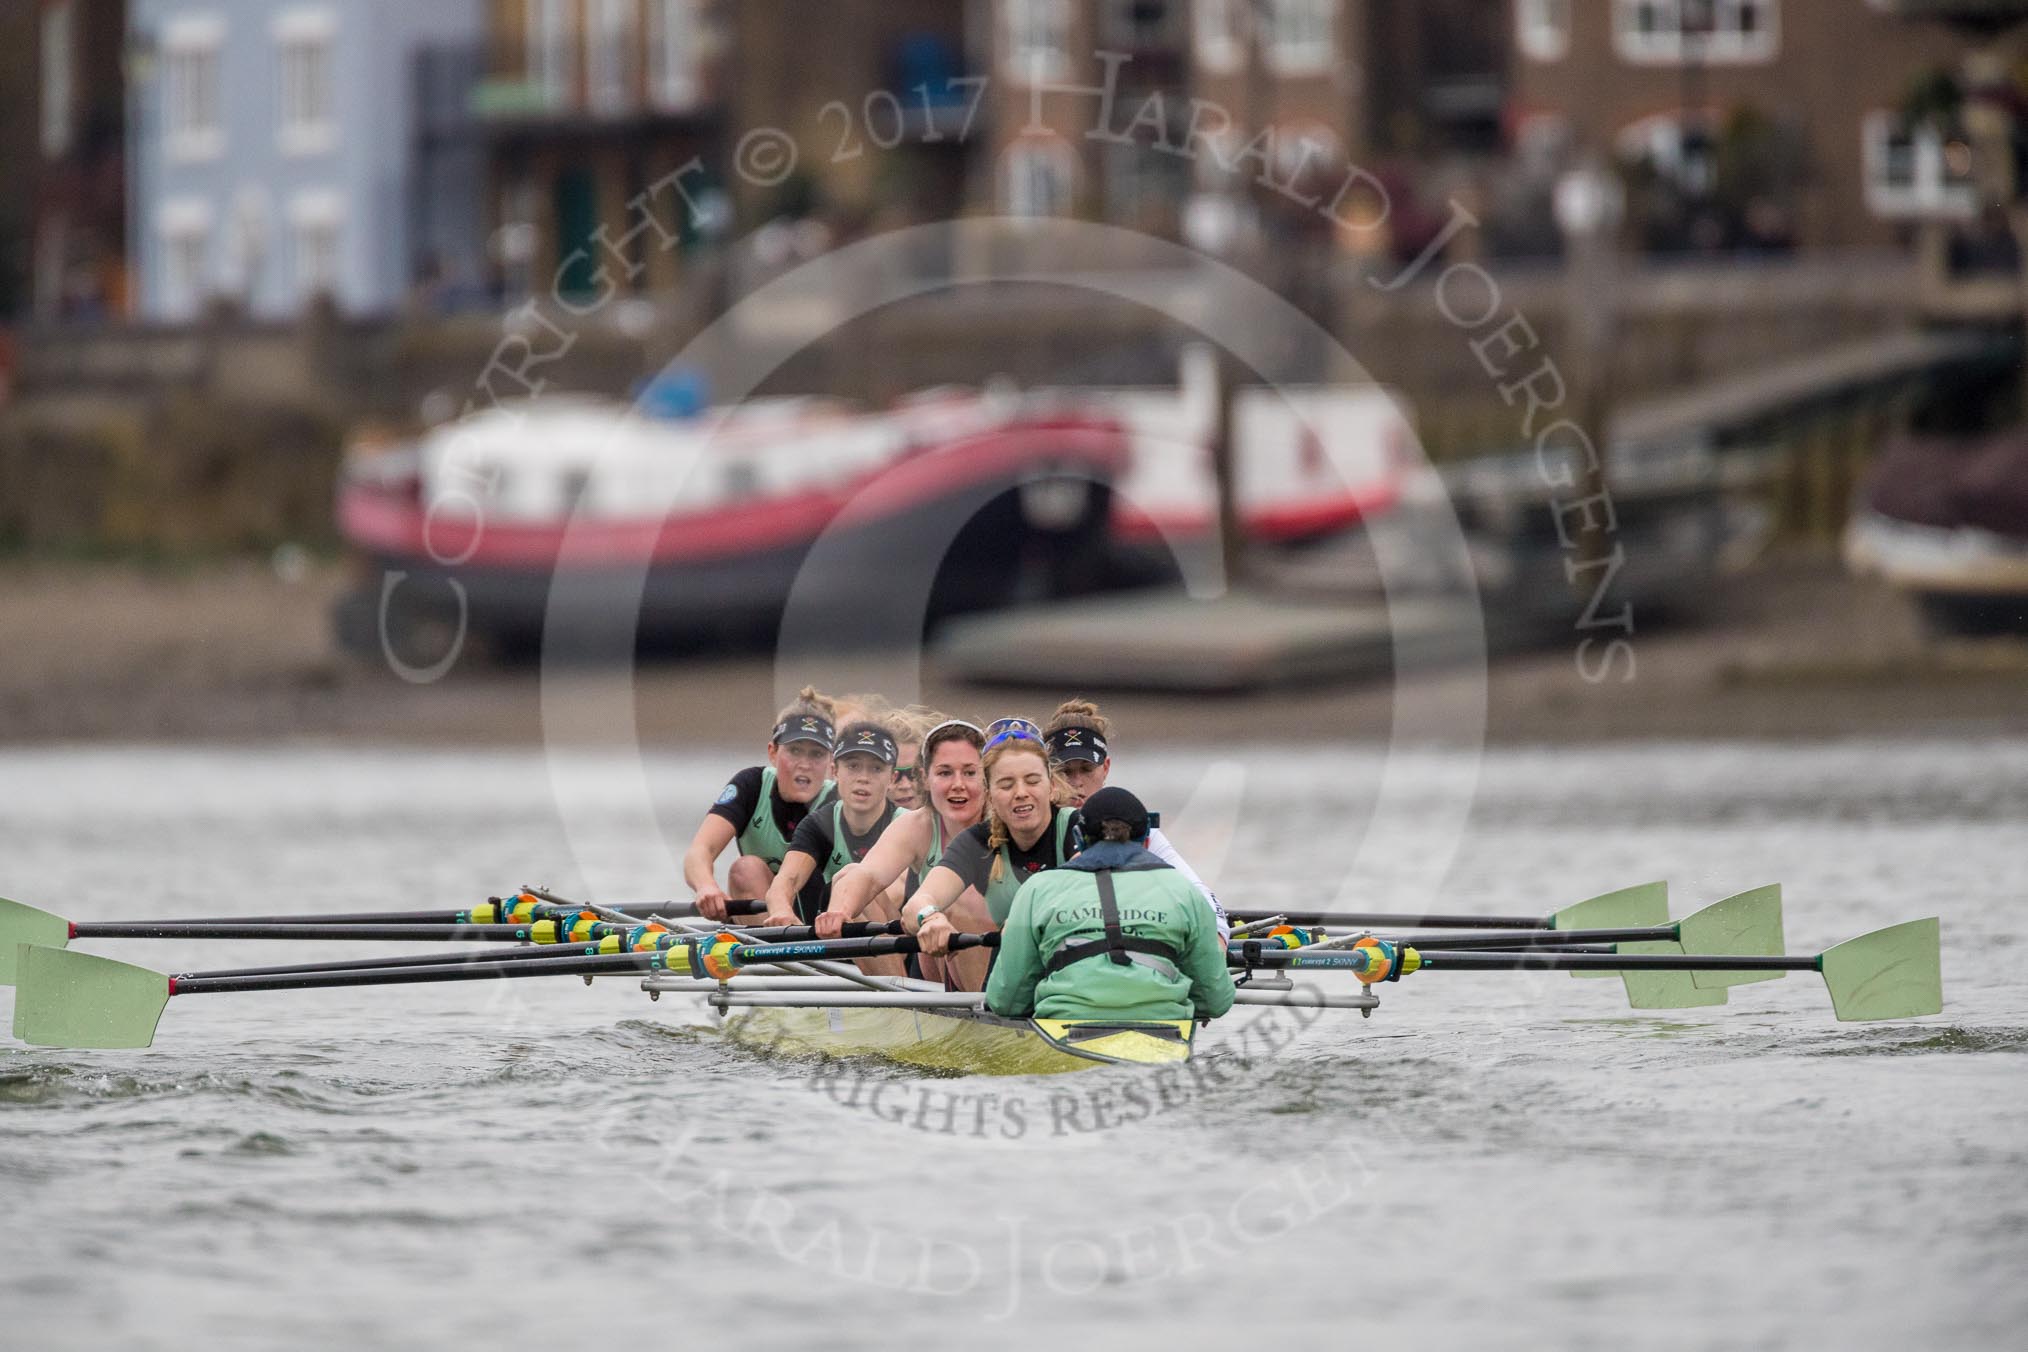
(782, 992)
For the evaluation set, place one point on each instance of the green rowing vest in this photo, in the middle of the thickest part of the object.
(841, 853)
(761, 835)
(1058, 958)
(1000, 892)
(935, 850)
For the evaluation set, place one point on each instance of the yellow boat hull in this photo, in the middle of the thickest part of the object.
(959, 1042)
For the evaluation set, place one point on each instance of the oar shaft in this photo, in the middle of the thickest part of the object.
(1532, 939)
(1251, 953)
(1618, 962)
(572, 949)
(405, 960)
(1579, 958)
(329, 918)
(423, 971)
(539, 965)
(156, 929)
(820, 949)
(727, 959)
(1385, 920)
(739, 907)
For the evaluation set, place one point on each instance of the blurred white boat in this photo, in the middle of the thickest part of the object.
(709, 523)
(1947, 522)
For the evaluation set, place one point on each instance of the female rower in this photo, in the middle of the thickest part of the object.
(1116, 934)
(1026, 831)
(913, 843)
(762, 807)
(1079, 738)
(910, 726)
(840, 834)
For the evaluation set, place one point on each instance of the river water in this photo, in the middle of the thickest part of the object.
(1495, 1159)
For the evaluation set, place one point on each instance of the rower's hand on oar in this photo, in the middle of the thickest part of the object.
(711, 903)
(830, 925)
(775, 919)
(935, 935)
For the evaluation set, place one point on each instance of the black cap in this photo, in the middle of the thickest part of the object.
(866, 739)
(804, 728)
(1113, 805)
(1076, 744)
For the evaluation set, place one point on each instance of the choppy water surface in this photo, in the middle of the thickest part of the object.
(1493, 1159)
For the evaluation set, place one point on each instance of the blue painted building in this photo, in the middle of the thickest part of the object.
(274, 156)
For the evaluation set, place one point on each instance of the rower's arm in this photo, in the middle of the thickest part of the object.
(700, 861)
(782, 892)
(900, 845)
(896, 895)
(940, 890)
(1165, 850)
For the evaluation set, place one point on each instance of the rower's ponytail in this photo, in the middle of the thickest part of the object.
(1077, 712)
(809, 702)
(912, 722)
(996, 836)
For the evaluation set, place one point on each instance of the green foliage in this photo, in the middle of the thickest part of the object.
(1934, 98)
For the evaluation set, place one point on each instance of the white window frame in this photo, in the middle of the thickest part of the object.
(1931, 194)
(193, 46)
(551, 44)
(180, 222)
(1018, 162)
(306, 98)
(318, 212)
(1036, 35)
(1217, 34)
(59, 54)
(1542, 29)
(675, 51)
(612, 54)
(1728, 44)
(1301, 36)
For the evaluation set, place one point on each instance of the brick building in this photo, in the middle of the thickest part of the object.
(1804, 95)
(78, 198)
(583, 106)
(1165, 114)
(925, 109)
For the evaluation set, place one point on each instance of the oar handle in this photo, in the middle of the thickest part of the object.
(687, 910)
